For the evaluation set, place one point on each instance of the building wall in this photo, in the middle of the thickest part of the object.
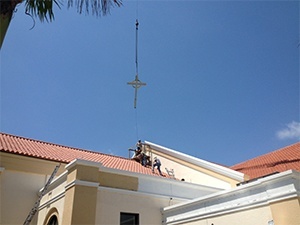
(53, 201)
(173, 188)
(88, 193)
(190, 172)
(274, 198)
(20, 181)
(111, 202)
(286, 212)
(18, 195)
(259, 216)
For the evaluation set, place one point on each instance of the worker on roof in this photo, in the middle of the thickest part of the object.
(139, 144)
(157, 164)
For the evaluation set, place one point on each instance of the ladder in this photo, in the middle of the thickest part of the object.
(37, 203)
(170, 172)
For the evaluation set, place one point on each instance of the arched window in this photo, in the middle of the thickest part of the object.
(52, 217)
(53, 220)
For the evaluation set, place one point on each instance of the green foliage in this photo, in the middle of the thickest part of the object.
(41, 8)
(97, 6)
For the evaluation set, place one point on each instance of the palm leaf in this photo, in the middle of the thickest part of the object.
(44, 8)
(98, 7)
(41, 8)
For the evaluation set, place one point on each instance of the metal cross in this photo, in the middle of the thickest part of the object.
(136, 84)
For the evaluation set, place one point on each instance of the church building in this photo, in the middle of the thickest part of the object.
(49, 184)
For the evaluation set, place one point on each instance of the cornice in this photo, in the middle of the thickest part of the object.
(262, 192)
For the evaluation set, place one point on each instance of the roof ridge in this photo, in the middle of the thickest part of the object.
(60, 145)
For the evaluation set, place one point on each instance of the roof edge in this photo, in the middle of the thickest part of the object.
(57, 145)
(265, 154)
(199, 162)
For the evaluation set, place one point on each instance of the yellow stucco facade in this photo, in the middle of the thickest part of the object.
(286, 212)
(191, 172)
(85, 192)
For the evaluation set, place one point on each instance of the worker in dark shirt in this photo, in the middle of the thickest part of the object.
(139, 144)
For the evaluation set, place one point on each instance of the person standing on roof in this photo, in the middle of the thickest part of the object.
(157, 164)
(139, 144)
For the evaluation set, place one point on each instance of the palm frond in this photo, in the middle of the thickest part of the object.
(44, 8)
(98, 7)
(41, 8)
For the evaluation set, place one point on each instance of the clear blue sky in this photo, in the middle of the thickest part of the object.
(222, 78)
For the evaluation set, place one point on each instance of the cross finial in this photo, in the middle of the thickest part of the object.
(136, 84)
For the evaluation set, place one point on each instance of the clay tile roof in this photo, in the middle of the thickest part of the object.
(277, 161)
(48, 151)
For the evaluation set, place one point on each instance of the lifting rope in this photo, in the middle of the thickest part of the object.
(136, 68)
(136, 46)
(136, 83)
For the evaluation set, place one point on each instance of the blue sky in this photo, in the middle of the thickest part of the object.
(222, 78)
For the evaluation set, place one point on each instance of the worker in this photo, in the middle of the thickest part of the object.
(139, 144)
(157, 164)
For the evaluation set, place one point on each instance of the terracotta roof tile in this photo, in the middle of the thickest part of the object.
(44, 150)
(277, 161)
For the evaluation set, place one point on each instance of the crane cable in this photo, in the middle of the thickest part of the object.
(136, 69)
(136, 62)
(136, 46)
(136, 126)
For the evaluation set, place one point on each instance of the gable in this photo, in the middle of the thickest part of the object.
(194, 170)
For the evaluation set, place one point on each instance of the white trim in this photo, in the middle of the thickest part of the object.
(82, 162)
(199, 162)
(61, 176)
(53, 199)
(138, 193)
(275, 188)
(157, 178)
(56, 182)
(81, 183)
(209, 214)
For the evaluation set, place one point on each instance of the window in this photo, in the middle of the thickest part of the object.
(53, 221)
(129, 219)
(51, 217)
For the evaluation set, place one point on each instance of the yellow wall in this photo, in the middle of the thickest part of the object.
(89, 196)
(286, 212)
(81, 193)
(28, 164)
(20, 182)
(52, 202)
(18, 195)
(118, 181)
(192, 173)
(111, 202)
(80, 205)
